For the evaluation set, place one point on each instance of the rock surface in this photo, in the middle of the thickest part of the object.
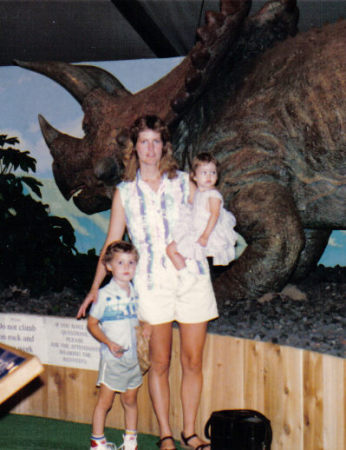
(310, 315)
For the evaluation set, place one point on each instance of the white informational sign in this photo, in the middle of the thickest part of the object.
(56, 341)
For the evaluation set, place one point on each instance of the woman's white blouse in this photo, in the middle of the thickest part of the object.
(151, 217)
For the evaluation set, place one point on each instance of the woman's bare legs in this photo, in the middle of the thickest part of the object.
(192, 340)
(160, 357)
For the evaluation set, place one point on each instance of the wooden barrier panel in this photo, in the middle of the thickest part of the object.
(300, 392)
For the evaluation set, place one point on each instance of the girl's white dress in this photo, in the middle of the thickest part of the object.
(192, 222)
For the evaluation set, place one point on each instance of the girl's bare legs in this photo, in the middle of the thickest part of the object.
(177, 259)
(103, 406)
(129, 402)
(160, 357)
(192, 340)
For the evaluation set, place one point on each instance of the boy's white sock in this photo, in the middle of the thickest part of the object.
(130, 440)
(98, 438)
(100, 442)
(131, 432)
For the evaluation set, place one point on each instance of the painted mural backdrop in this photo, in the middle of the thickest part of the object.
(24, 95)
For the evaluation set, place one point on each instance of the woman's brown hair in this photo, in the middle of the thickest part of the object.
(168, 163)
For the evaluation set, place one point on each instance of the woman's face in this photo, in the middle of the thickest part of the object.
(149, 147)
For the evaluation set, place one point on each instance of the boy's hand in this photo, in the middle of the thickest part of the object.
(116, 350)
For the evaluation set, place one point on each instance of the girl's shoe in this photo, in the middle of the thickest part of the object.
(185, 443)
(130, 442)
(101, 445)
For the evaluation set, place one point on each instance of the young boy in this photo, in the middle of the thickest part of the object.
(112, 321)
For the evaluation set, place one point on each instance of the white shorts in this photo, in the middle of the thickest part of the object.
(162, 303)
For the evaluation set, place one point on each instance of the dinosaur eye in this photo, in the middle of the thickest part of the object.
(106, 169)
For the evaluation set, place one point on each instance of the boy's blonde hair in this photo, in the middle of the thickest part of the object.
(203, 158)
(119, 247)
(128, 140)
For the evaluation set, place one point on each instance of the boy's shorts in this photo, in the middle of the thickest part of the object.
(119, 374)
(163, 304)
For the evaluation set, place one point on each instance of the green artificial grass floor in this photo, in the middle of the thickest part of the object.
(37, 433)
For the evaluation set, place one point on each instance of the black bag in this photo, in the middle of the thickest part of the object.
(238, 429)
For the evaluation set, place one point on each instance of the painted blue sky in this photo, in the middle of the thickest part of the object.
(24, 95)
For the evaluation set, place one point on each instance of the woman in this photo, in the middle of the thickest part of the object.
(147, 203)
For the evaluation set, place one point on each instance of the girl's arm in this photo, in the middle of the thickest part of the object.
(192, 190)
(214, 208)
(95, 330)
(116, 229)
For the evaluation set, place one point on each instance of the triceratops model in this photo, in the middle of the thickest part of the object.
(271, 107)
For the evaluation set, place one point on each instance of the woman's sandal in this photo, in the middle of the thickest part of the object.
(165, 439)
(185, 442)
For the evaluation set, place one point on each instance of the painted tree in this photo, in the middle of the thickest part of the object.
(37, 250)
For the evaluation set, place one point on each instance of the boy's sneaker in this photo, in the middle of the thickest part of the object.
(97, 444)
(186, 281)
(130, 442)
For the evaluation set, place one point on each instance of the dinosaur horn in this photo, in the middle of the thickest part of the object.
(78, 80)
(49, 133)
(106, 81)
(55, 140)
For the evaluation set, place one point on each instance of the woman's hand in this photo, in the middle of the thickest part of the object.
(90, 298)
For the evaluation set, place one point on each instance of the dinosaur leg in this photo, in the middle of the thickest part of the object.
(315, 244)
(268, 220)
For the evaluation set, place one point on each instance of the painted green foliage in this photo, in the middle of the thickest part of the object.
(37, 250)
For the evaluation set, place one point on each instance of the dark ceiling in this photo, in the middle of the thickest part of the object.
(101, 30)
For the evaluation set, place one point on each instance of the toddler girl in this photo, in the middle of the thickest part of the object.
(205, 228)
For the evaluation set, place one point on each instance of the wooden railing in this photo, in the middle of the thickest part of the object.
(301, 392)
